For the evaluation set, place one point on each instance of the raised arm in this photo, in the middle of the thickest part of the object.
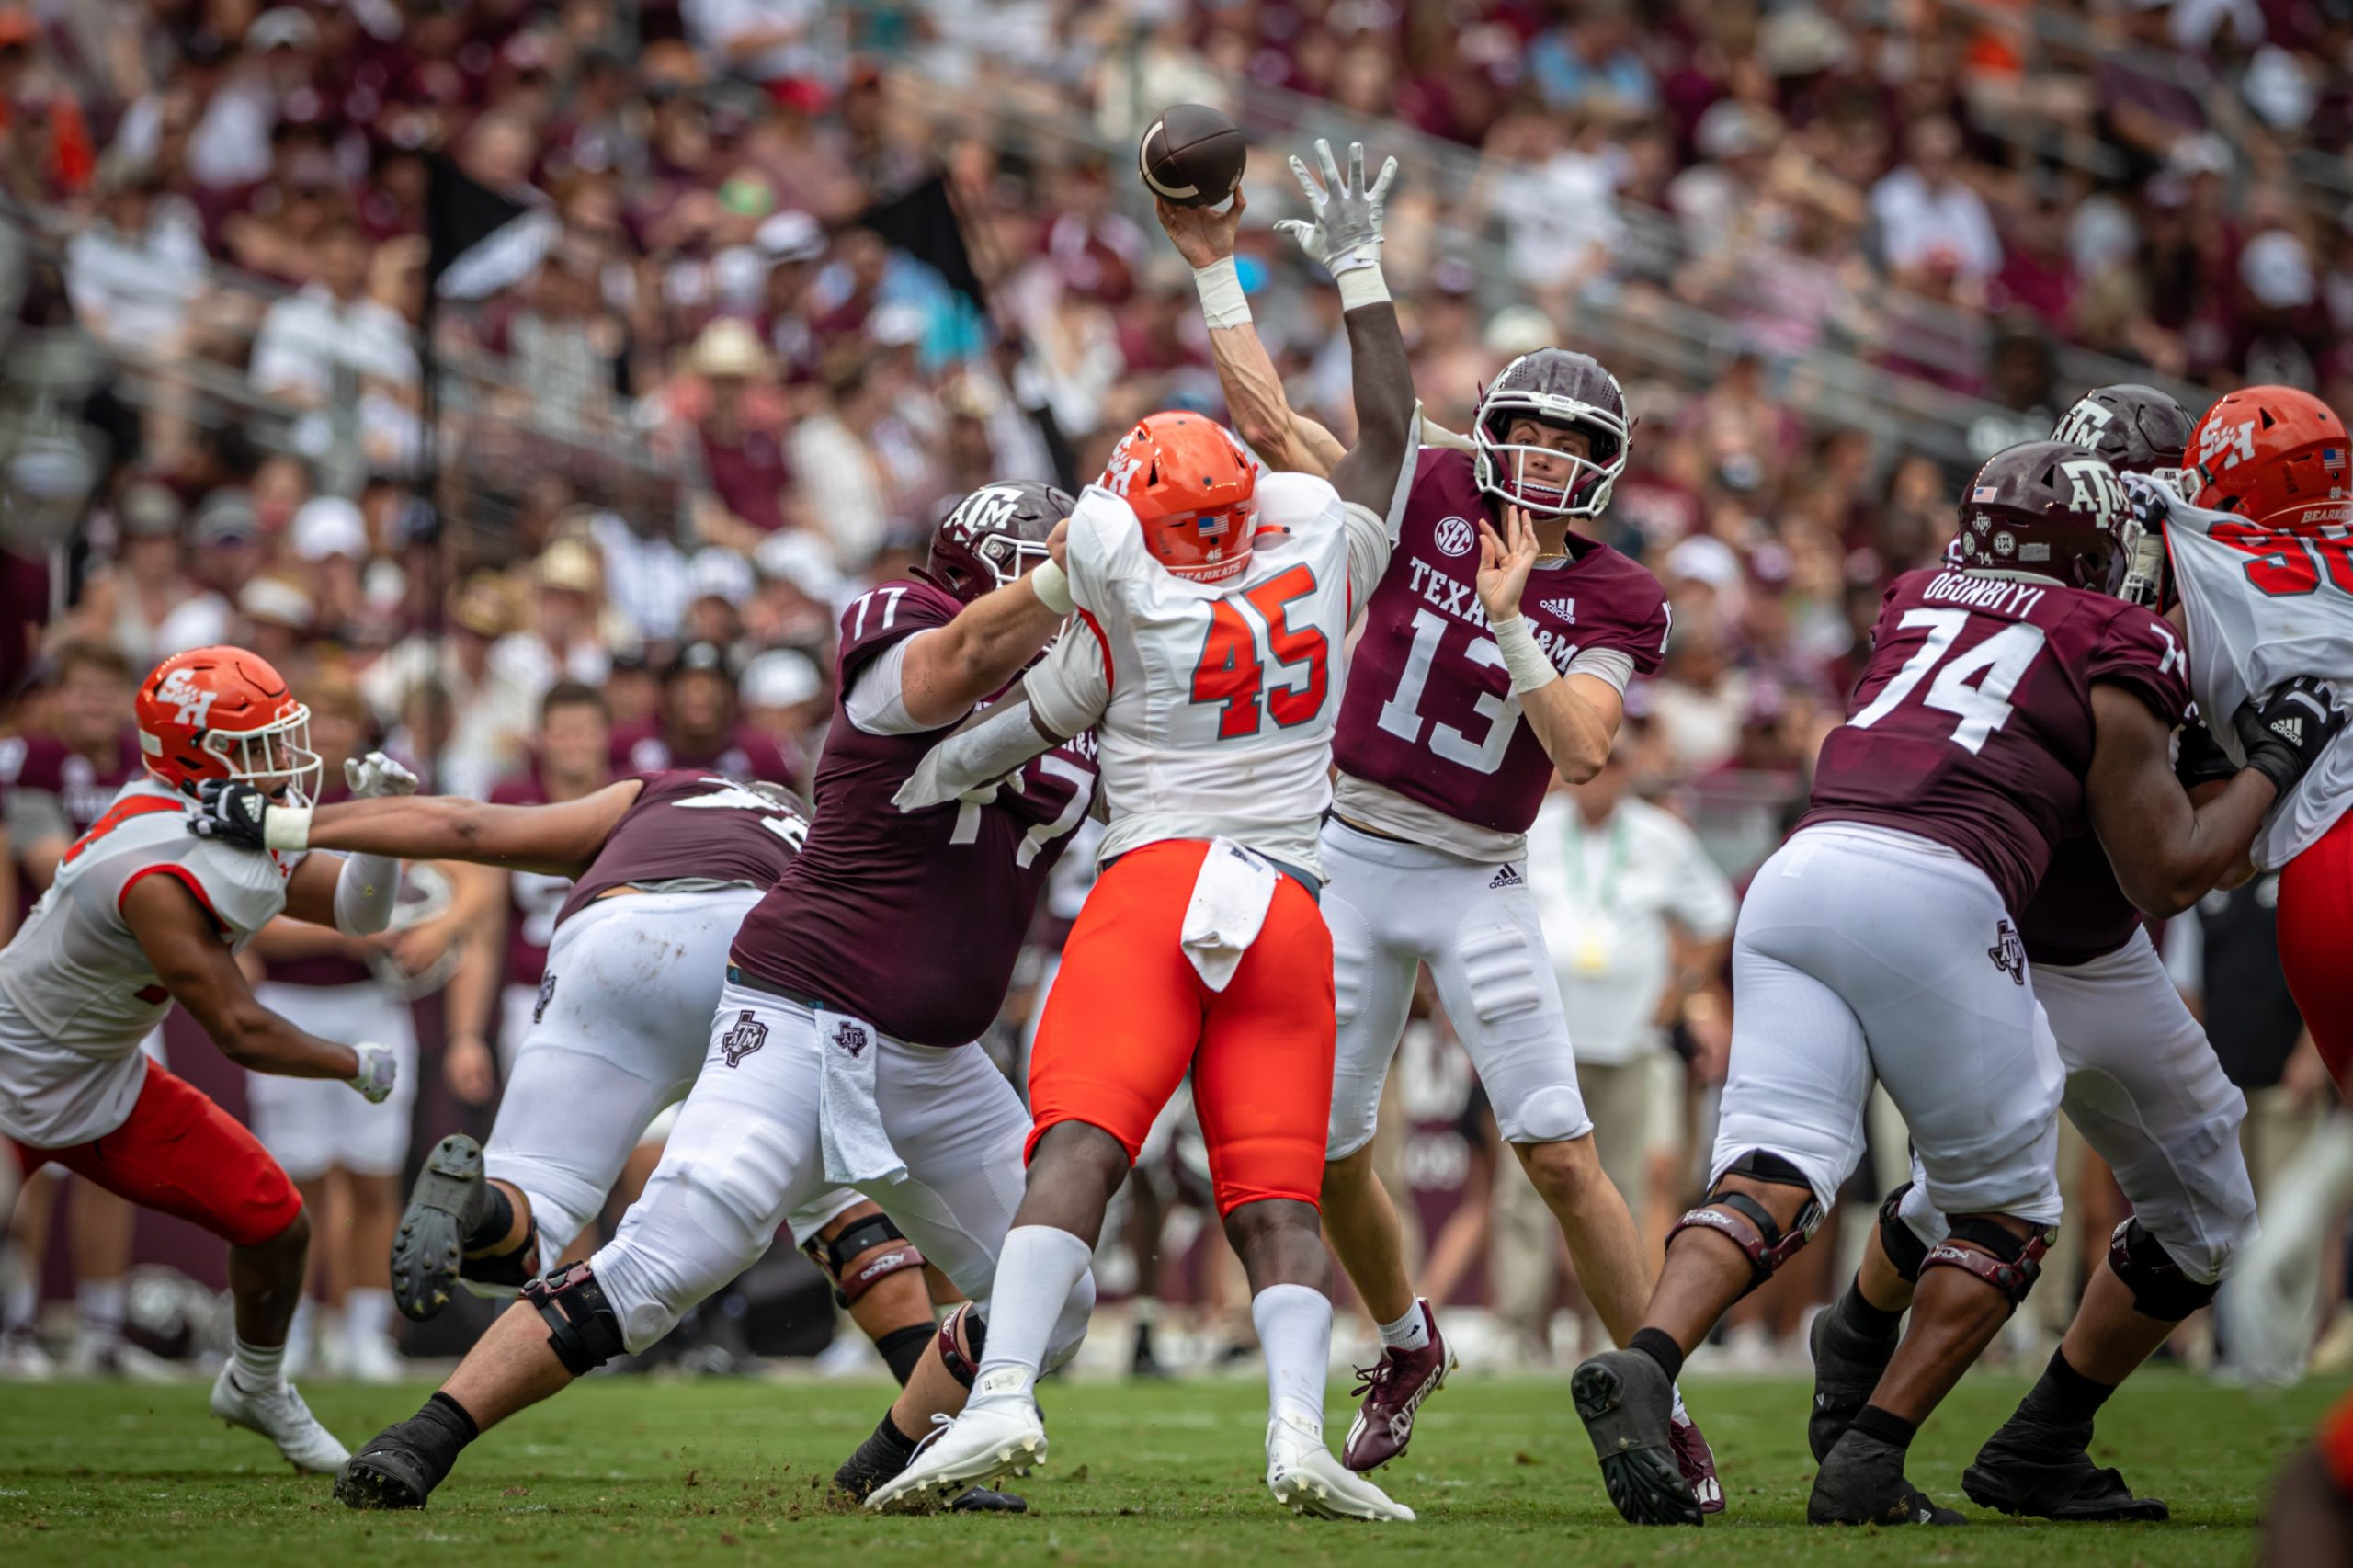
(2168, 853)
(1345, 235)
(1285, 440)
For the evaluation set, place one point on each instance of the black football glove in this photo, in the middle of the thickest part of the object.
(231, 811)
(2285, 732)
(2201, 759)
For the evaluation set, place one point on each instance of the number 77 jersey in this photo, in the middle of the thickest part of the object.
(1972, 723)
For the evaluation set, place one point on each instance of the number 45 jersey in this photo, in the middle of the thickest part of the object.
(1972, 723)
(2265, 606)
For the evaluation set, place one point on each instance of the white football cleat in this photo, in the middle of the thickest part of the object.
(23, 1361)
(372, 1359)
(281, 1415)
(987, 1442)
(1306, 1478)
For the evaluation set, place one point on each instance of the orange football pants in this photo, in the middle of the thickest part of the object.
(2316, 944)
(1129, 1013)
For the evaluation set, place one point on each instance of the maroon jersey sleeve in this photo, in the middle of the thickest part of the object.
(689, 824)
(2140, 653)
(874, 620)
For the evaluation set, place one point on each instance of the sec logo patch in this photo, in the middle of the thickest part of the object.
(1455, 535)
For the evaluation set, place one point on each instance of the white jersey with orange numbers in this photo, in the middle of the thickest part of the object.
(1213, 703)
(2263, 607)
(77, 994)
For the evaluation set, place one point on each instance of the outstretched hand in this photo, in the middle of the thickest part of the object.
(1203, 235)
(1505, 562)
(1345, 230)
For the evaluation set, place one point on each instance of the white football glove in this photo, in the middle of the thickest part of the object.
(376, 775)
(378, 1068)
(1346, 231)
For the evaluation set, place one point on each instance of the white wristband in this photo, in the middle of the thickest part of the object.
(1222, 301)
(286, 827)
(1361, 284)
(1051, 584)
(1529, 666)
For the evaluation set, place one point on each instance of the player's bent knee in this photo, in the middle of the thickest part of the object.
(1563, 1168)
(2161, 1288)
(1555, 1114)
(1905, 1249)
(1987, 1246)
(583, 1329)
(1747, 1223)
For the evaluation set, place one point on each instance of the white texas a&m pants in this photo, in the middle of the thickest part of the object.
(1393, 906)
(746, 1155)
(313, 1125)
(1862, 954)
(632, 982)
(2148, 1093)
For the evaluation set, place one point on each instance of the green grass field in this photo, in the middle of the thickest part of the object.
(623, 1471)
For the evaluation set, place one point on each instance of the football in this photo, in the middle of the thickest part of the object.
(1192, 156)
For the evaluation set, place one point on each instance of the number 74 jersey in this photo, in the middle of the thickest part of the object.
(1972, 723)
(1217, 701)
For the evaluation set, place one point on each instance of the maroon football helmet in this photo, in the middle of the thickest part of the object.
(994, 535)
(2132, 428)
(1567, 390)
(2044, 509)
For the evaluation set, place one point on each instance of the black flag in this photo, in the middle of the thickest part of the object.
(922, 223)
(460, 213)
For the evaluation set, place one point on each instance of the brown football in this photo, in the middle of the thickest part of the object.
(1192, 156)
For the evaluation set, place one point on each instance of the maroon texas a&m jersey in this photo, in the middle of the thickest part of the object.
(911, 920)
(533, 898)
(1428, 711)
(688, 824)
(2078, 913)
(1972, 722)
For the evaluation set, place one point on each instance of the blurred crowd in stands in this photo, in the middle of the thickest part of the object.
(766, 285)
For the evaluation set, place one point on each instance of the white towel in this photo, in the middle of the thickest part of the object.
(849, 1124)
(1229, 906)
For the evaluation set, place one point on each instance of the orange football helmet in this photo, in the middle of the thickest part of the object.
(2274, 456)
(226, 713)
(1194, 487)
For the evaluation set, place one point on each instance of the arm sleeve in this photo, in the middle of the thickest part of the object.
(34, 815)
(1612, 665)
(1004, 739)
(365, 890)
(876, 702)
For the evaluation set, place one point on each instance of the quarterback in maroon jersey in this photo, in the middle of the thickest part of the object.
(917, 919)
(2144, 1088)
(2008, 702)
(1496, 651)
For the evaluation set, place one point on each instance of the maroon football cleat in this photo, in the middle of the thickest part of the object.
(1696, 1462)
(1393, 1389)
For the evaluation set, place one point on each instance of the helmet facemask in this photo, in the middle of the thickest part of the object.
(1500, 466)
(276, 758)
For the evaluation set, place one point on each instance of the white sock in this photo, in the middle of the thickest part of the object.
(1036, 1272)
(20, 1308)
(100, 1302)
(1409, 1333)
(1294, 1324)
(257, 1368)
(367, 1314)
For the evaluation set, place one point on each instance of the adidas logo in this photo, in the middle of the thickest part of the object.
(2290, 729)
(1566, 609)
(1507, 876)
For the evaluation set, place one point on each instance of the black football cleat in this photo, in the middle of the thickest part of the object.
(1862, 1483)
(2046, 1473)
(875, 1463)
(1627, 1402)
(1846, 1368)
(387, 1472)
(429, 1248)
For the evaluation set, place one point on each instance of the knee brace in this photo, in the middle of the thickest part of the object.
(582, 1328)
(1906, 1251)
(2160, 1289)
(961, 1367)
(844, 1261)
(2009, 1263)
(1747, 1224)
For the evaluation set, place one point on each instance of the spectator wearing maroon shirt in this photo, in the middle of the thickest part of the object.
(738, 433)
(700, 725)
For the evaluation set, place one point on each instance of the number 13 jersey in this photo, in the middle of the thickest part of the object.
(1217, 699)
(1972, 723)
